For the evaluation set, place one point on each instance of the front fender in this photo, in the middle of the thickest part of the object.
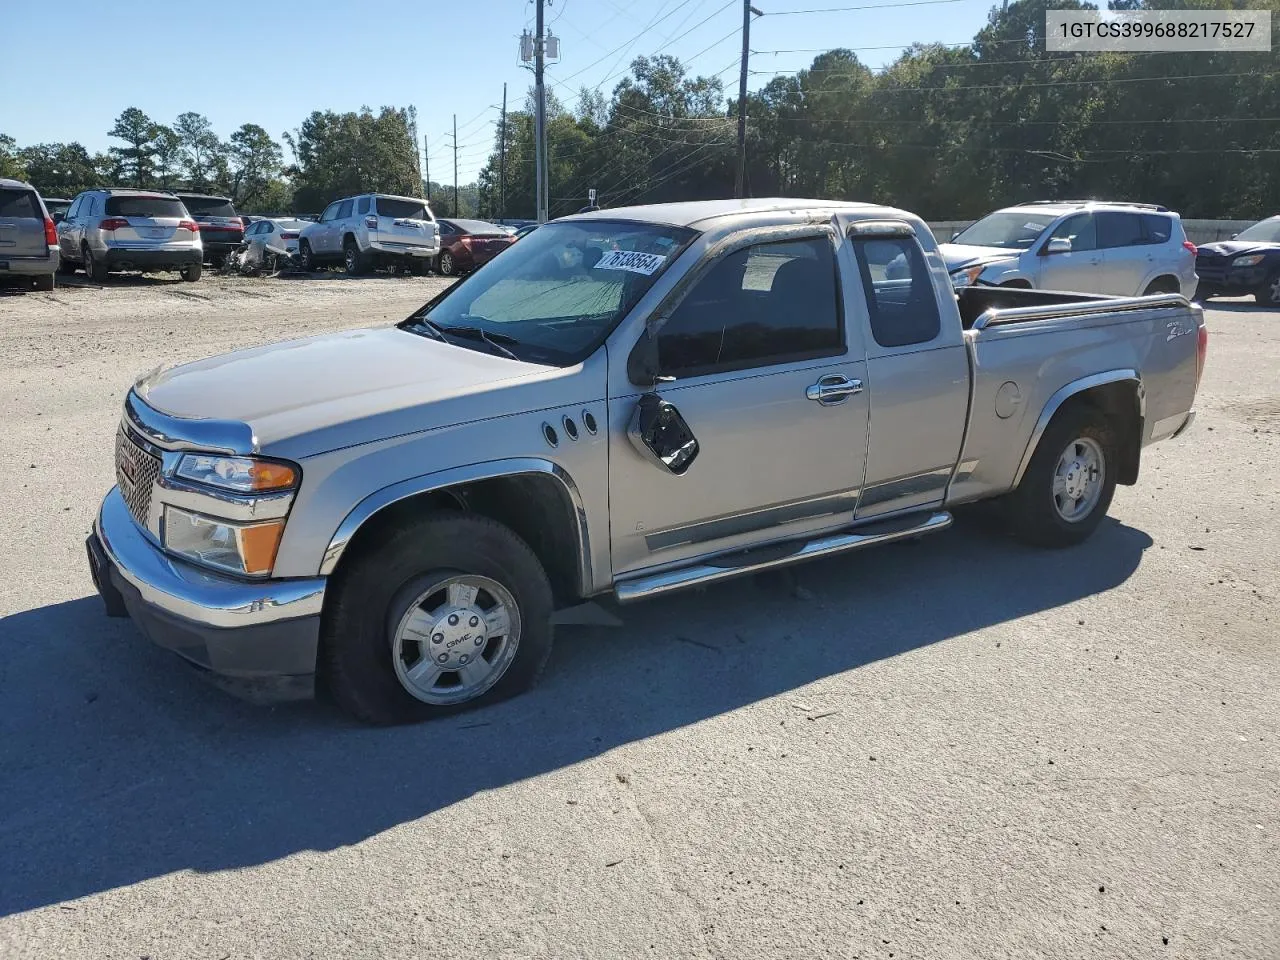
(371, 505)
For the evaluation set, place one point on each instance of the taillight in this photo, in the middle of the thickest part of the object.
(113, 223)
(235, 223)
(1190, 248)
(189, 225)
(50, 232)
(1202, 351)
(371, 222)
(288, 236)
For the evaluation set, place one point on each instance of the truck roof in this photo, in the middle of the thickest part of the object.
(690, 213)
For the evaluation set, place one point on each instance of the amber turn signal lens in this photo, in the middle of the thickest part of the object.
(258, 545)
(264, 475)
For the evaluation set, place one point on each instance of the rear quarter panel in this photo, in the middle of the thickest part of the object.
(1019, 367)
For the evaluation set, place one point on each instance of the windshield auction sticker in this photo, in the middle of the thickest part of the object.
(1239, 31)
(631, 261)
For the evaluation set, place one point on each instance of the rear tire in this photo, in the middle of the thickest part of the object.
(44, 283)
(1161, 285)
(93, 269)
(367, 657)
(1268, 295)
(1075, 455)
(356, 263)
(191, 272)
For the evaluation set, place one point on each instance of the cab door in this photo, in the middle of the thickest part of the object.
(760, 408)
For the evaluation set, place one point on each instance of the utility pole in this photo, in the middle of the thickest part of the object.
(455, 164)
(502, 158)
(540, 115)
(426, 167)
(740, 178)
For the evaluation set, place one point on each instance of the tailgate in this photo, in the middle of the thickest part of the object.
(21, 225)
(403, 221)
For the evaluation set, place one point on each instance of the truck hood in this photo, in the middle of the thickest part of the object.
(957, 255)
(1237, 248)
(303, 397)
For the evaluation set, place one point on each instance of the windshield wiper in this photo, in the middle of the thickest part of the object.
(434, 330)
(495, 340)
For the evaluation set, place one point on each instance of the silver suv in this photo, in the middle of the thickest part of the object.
(28, 243)
(116, 229)
(1123, 249)
(372, 230)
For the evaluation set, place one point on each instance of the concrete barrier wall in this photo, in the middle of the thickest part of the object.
(1198, 231)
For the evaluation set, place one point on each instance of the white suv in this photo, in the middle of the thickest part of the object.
(1122, 249)
(370, 230)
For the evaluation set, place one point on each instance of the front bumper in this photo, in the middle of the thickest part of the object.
(1227, 278)
(257, 639)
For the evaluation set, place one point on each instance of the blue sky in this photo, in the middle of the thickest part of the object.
(272, 65)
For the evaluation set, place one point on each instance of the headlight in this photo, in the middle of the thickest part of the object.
(966, 277)
(244, 548)
(1252, 260)
(238, 474)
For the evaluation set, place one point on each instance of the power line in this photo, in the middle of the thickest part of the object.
(646, 29)
(872, 6)
(1048, 83)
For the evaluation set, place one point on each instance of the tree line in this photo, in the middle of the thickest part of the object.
(947, 131)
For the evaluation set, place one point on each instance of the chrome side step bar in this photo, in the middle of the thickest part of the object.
(731, 565)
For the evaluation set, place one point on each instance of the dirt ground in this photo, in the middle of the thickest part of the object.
(960, 748)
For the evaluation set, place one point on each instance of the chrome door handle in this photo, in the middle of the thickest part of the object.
(832, 389)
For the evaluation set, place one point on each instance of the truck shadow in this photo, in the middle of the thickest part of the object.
(120, 765)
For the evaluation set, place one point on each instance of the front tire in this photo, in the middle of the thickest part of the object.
(449, 612)
(1268, 295)
(306, 260)
(446, 266)
(1070, 481)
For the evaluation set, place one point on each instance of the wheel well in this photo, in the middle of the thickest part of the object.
(1119, 403)
(1165, 284)
(535, 506)
(349, 237)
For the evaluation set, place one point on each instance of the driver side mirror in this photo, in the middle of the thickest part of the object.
(1057, 245)
(661, 435)
(1234, 235)
(954, 234)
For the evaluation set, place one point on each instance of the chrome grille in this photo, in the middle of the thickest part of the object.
(136, 473)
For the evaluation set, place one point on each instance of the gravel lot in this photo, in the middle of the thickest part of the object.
(958, 748)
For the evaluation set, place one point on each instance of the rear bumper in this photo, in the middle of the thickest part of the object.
(29, 266)
(123, 258)
(408, 251)
(258, 640)
(219, 244)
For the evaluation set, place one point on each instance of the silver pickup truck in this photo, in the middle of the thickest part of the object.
(626, 402)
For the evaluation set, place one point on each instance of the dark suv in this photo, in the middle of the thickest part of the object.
(28, 238)
(221, 228)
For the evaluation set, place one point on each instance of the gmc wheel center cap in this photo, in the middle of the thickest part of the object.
(458, 637)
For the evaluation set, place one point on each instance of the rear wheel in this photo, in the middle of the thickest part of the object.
(1268, 295)
(305, 258)
(356, 262)
(191, 272)
(452, 611)
(93, 268)
(44, 282)
(1070, 481)
(1161, 285)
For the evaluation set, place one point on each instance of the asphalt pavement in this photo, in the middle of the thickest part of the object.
(955, 748)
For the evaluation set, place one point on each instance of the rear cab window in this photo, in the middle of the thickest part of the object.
(142, 206)
(209, 207)
(19, 204)
(402, 209)
(901, 301)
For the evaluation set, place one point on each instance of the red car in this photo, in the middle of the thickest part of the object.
(467, 244)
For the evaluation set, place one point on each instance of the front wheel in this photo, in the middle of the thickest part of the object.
(1269, 294)
(1069, 483)
(450, 612)
(306, 261)
(446, 266)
